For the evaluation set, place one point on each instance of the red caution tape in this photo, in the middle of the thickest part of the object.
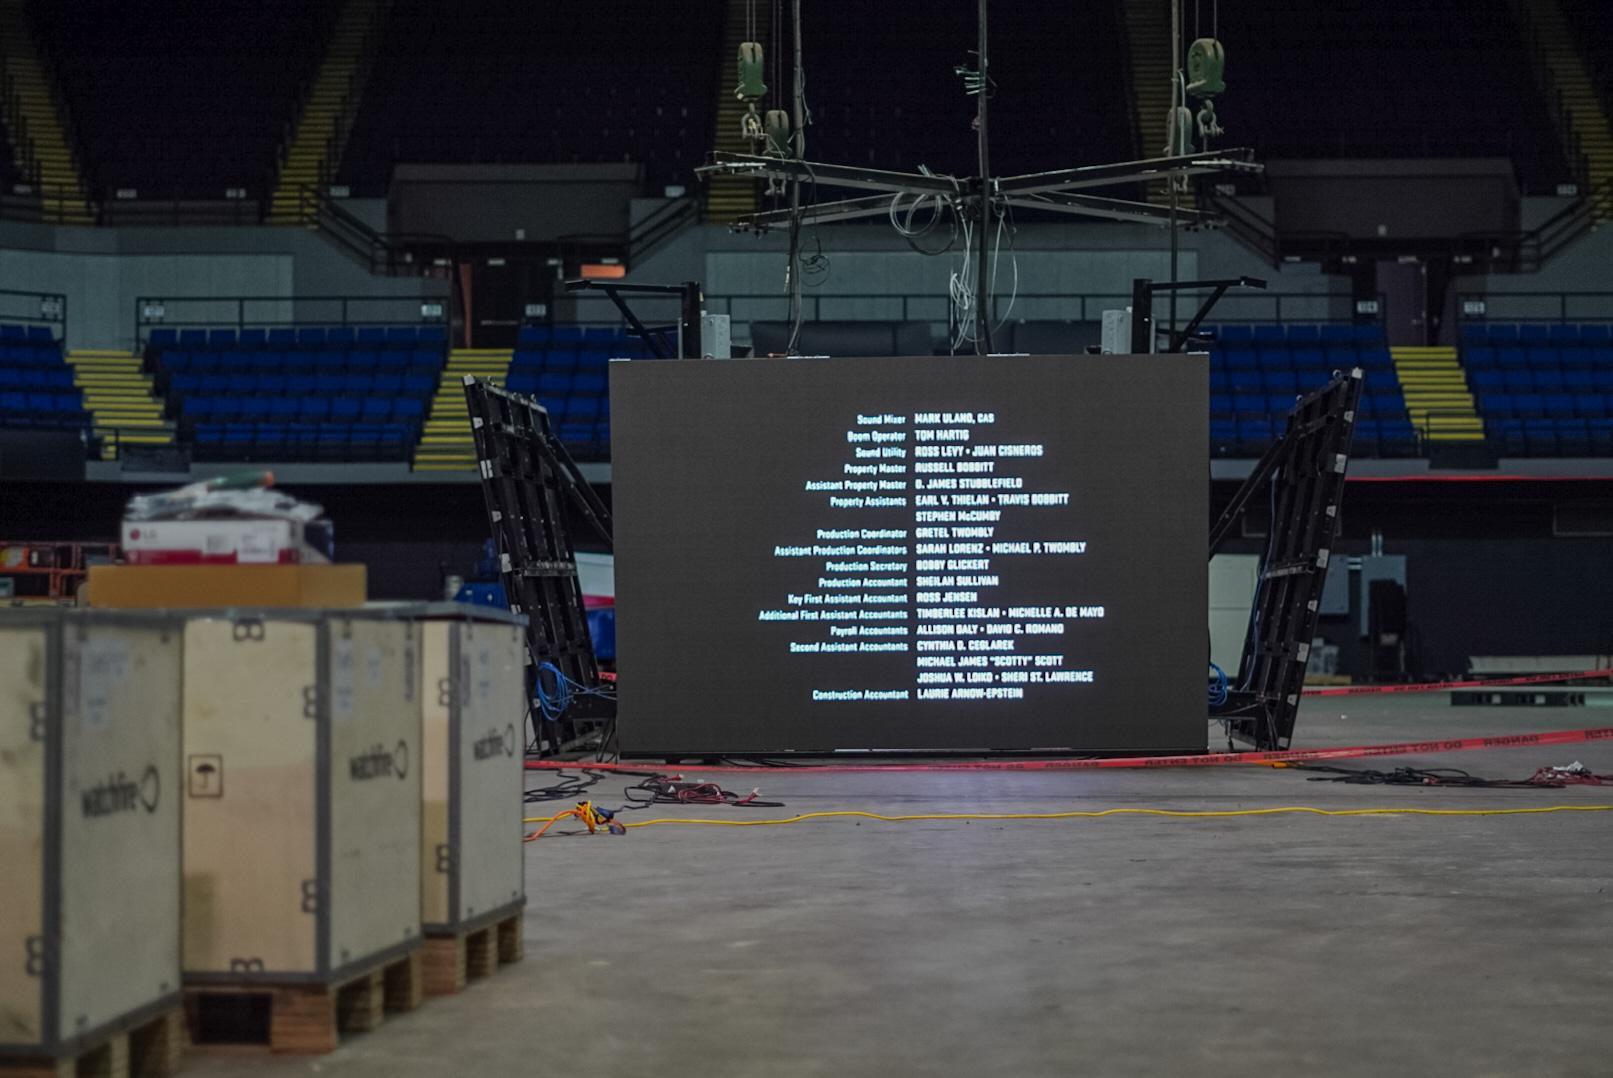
(1443, 686)
(1208, 759)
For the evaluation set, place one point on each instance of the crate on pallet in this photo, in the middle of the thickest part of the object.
(472, 876)
(90, 777)
(302, 810)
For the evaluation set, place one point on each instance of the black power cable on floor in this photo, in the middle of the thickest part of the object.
(1545, 778)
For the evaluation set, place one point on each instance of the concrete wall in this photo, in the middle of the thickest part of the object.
(103, 271)
(870, 273)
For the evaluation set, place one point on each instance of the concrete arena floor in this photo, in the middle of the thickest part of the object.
(1122, 946)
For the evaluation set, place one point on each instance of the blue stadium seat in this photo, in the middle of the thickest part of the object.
(1517, 380)
(532, 334)
(551, 384)
(1368, 333)
(1219, 382)
(1511, 357)
(1472, 333)
(221, 338)
(433, 334)
(1528, 406)
(1548, 379)
(1269, 333)
(588, 382)
(413, 385)
(1478, 355)
(1558, 404)
(425, 361)
(371, 335)
(409, 410)
(1303, 333)
(1595, 333)
(360, 384)
(400, 336)
(340, 336)
(1336, 333)
(377, 410)
(1283, 381)
(1503, 333)
(313, 409)
(163, 337)
(1578, 381)
(254, 338)
(1563, 333)
(1279, 403)
(193, 338)
(282, 337)
(1484, 380)
(1221, 405)
(310, 336)
(1249, 404)
(1534, 333)
(1573, 438)
(524, 382)
(392, 361)
(345, 409)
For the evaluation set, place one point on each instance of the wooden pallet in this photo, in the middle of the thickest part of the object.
(151, 1049)
(304, 1018)
(453, 961)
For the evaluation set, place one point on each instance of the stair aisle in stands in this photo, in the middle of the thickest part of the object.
(329, 107)
(63, 195)
(118, 394)
(1437, 395)
(1148, 53)
(447, 444)
(728, 197)
(1569, 73)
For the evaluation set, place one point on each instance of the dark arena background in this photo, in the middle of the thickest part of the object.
(860, 421)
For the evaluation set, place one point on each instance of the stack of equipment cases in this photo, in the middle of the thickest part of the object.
(475, 707)
(302, 823)
(90, 784)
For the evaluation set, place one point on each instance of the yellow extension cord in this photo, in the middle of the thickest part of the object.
(1098, 813)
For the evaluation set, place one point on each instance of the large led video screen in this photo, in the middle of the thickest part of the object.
(911, 554)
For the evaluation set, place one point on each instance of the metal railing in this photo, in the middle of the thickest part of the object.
(1534, 307)
(241, 312)
(1031, 306)
(35, 308)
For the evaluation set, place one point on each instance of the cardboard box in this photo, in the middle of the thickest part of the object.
(213, 586)
(223, 541)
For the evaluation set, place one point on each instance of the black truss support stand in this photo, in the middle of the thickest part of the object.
(528, 480)
(688, 337)
(1302, 475)
(1142, 308)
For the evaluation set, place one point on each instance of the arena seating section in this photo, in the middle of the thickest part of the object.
(1542, 389)
(514, 81)
(36, 386)
(564, 367)
(882, 91)
(182, 100)
(305, 393)
(1415, 79)
(1257, 370)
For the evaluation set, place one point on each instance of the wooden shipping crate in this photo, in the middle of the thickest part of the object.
(90, 781)
(302, 810)
(474, 677)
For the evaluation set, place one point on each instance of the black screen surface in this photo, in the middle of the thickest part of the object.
(915, 553)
